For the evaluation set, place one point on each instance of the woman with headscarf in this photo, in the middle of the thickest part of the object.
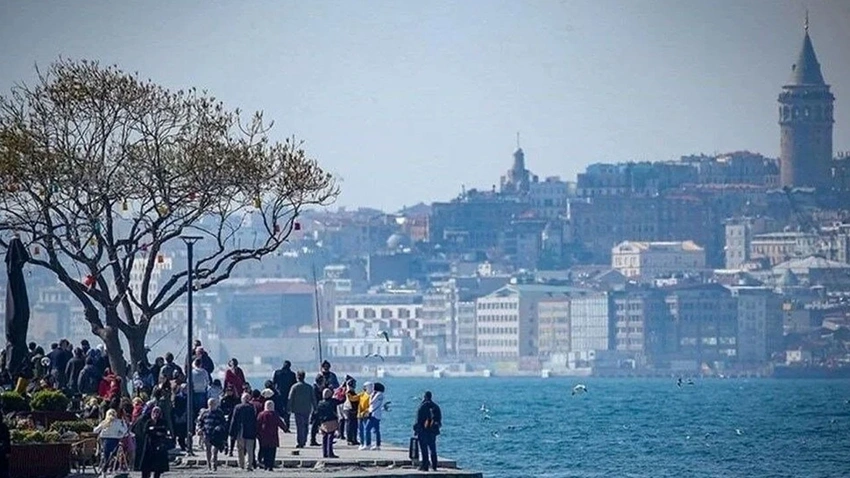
(268, 423)
(154, 451)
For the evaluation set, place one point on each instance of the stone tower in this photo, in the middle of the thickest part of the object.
(805, 122)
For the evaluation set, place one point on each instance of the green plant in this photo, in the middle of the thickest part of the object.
(13, 402)
(76, 426)
(49, 401)
(24, 437)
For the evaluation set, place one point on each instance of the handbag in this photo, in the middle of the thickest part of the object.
(329, 426)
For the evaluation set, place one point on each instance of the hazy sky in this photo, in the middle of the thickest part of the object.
(406, 101)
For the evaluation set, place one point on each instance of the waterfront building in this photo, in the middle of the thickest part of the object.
(759, 323)
(648, 260)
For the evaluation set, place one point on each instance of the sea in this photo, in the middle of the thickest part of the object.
(536, 427)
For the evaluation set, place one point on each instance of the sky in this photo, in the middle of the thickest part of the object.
(408, 102)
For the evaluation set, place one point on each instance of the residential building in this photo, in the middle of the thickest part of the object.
(400, 313)
(466, 328)
(637, 315)
(648, 260)
(554, 327)
(759, 323)
(776, 247)
(703, 327)
(548, 198)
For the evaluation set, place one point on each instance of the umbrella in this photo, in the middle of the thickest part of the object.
(17, 306)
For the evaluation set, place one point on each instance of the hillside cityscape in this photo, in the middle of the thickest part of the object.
(722, 265)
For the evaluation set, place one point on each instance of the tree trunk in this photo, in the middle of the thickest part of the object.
(110, 338)
(136, 340)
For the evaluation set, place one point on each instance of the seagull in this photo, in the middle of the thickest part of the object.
(579, 389)
(385, 335)
(484, 408)
(376, 356)
(739, 432)
(679, 382)
(690, 381)
(387, 406)
(495, 434)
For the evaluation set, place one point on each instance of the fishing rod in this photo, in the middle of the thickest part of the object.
(318, 316)
(151, 346)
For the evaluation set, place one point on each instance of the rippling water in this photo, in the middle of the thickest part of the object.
(634, 427)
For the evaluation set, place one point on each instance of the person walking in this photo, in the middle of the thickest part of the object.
(429, 419)
(234, 376)
(214, 426)
(302, 402)
(154, 459)
(243, 426)
(200, 384)
(268, 423)
(283, 380)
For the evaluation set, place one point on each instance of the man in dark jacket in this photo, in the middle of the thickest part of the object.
(89, 378)
(169, 368)
(429, 419)
(59, 358)
(283, 381)
(330, 379)
(302, 402)
(243, 426)
(319, 386)
(73, 369)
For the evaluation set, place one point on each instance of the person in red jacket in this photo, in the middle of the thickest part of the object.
(268, 423)
(234, 376)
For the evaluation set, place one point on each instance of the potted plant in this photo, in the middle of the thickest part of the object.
(35, 454)
(13, 402)
(50, 406)
(74, 428)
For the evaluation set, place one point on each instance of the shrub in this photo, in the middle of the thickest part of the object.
(49, 401)
(76, 426)
(13, 402)
(24, 437)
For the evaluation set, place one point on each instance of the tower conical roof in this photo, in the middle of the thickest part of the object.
(807, 69)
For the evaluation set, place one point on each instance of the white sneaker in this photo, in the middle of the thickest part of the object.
(375, 447)
(361, 447)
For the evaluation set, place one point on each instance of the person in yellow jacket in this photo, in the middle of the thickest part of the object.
(363, 412)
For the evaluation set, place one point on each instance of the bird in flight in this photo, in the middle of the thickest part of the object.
(385, 335)
(679, 382)
(376, 356)
(387, 406)
(579, 389)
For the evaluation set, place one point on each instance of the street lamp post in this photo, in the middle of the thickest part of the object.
(190, 392)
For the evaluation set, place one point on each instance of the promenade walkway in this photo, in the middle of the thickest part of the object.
(389, 462)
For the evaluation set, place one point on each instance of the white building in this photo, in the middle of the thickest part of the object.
(529, 320)
(652, 259)
(399, 314)
(549, 197)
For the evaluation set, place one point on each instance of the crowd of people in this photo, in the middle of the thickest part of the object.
(150, 416)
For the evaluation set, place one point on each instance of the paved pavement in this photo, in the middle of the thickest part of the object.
(388, 462)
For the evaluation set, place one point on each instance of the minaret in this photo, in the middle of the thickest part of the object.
(805, 122)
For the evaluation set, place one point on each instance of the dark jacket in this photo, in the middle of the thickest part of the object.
(215, 428)
(302, 400)
(168, 370)
(228, 403)
(244, 420)
(154, 451)
(72, 372)
(429, 418)
(326, 410)
(331, 379)
(268, 423)
(283, 381)
(89, 380)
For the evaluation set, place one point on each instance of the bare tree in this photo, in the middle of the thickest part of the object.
(102, 170)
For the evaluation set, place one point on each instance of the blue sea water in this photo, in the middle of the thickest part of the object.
(634, 427)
